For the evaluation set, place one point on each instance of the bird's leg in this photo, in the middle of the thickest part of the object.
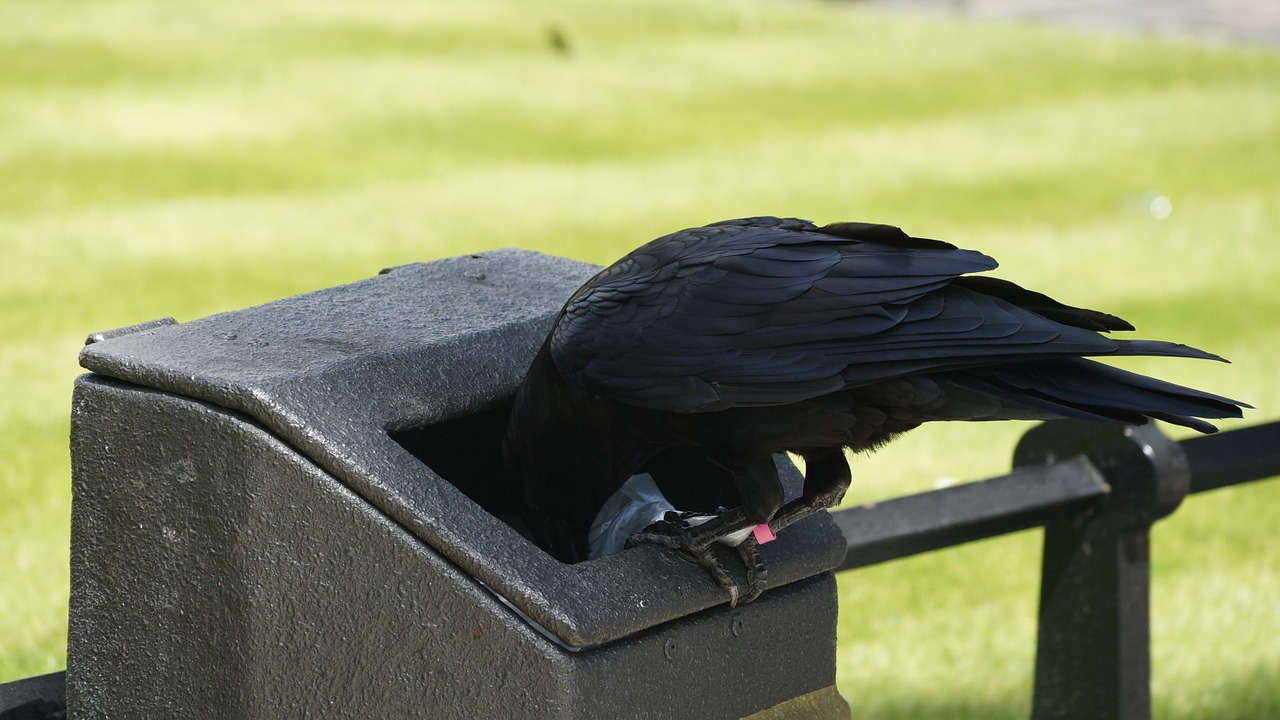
(826, 478)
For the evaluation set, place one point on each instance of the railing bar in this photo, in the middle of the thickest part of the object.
(1032, 496)
(1233, 457)
(1026, 498)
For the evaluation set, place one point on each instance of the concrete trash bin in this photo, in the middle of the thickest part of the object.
(281, 511)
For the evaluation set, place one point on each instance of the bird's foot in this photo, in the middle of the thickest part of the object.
(696, 543)
(749, 551)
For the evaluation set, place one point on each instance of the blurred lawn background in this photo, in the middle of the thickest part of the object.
(187, 158)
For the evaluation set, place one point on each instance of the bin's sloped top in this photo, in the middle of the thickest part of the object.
(331, 372)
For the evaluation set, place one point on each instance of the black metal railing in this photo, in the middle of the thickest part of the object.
(1096, 489)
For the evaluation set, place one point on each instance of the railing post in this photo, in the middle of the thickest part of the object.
(1093, 648)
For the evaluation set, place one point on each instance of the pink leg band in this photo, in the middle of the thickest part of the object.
(763, 533)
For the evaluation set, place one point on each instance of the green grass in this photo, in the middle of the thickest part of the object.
(188, 158)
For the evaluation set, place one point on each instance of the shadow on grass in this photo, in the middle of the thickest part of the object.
(1250, 697)
(935, 708)
(1254, 695)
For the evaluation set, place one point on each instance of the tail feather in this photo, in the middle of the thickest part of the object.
(1088, 390)
(1162, 348)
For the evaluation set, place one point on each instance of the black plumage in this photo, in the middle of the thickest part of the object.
(713, 348)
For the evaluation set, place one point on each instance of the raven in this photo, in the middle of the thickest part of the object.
(705, 352)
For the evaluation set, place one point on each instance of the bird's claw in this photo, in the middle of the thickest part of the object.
(749, 551)
(674, 533)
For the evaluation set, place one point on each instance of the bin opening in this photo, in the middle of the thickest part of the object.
(467, 452)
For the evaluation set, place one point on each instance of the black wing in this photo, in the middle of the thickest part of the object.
(766, 311)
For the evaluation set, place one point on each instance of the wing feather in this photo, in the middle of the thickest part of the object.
(764, 311)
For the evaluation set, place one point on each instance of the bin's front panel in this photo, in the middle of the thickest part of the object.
(216, 573)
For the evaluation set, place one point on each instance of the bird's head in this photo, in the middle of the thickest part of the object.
(565, 453)
(553, 477)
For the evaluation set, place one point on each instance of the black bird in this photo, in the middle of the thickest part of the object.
(713, 348)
